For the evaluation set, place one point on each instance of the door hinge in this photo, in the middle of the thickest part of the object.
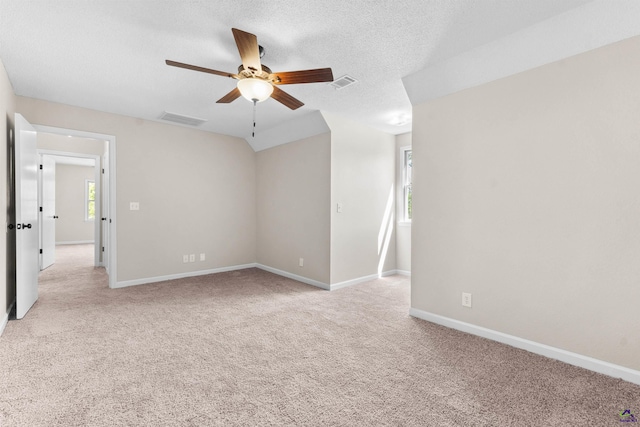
(40, 167)
(40, 208)
(40, 250)
(103, 249)
(102, 170)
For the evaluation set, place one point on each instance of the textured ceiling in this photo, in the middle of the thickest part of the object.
(109, 55)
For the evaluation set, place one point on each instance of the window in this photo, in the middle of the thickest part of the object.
(90, 200)
(407, 179)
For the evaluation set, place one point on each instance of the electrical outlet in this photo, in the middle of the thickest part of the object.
(301, 262)
(134, 206)
(466, 299)
(192, 258)
(339, 208)
(201, 257)
(185, 258)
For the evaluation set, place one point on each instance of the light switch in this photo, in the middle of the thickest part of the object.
(339, 208)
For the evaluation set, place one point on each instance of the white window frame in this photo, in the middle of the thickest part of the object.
(86, 200)
(407, 178)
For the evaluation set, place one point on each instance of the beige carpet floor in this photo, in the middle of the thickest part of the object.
(249, 348)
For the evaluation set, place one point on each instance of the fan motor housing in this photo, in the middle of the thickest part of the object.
(250, 73)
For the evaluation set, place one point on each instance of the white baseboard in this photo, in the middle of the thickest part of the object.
(302, 279)
(5, 319)
(312, 282)
(340, 285)
(362, 279)
(146, 280)
(574, 359)
(404, 272)
(76, 242)
(3, 323)
(322, 285)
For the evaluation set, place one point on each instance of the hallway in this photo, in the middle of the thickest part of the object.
(72, 272)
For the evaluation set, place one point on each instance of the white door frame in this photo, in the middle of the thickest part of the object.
(45, 206)
(96, 176)
(111, 214)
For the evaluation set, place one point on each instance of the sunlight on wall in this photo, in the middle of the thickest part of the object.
(386, 230)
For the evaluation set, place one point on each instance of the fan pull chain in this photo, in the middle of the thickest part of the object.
(253, 133)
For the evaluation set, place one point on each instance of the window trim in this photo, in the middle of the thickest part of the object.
(406, 185)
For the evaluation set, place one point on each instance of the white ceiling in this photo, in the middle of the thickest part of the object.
(109, 55)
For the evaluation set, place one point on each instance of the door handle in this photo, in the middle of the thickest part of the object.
(104, 219)
(25, 226)
(55, 217)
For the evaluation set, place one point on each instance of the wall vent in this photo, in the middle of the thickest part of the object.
(182, 119)
(343, 82)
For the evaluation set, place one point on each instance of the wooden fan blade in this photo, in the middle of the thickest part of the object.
(305, 76)
(201, 69)
(249, 50)
(285, 99)
(230, 97)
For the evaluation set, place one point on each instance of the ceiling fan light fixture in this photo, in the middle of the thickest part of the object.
(254, 89)
(256, 82)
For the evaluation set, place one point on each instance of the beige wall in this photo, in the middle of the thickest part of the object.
(527, 195)
(363, 182)
(196, 191)
(70, 204)
(7, 272)
(403, 230)
(293, 197)
(55, 142)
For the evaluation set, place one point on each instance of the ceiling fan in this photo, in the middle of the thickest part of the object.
(256, 82)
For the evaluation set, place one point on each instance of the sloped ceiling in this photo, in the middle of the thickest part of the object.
(109, 55)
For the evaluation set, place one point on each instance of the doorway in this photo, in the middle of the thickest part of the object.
(71, 208)
(104, 179)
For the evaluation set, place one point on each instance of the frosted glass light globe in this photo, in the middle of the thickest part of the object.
(255, 89)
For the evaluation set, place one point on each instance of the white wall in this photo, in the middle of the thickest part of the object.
(526, 194)
(196, 191)
(293, 197)
(403, 230)
(363, 182)
(71, 225)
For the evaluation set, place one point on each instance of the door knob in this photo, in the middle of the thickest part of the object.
(26, 225)
(55, 217)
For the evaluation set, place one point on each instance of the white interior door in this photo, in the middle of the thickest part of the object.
(48, 212)
(104, 214)
(27, 227)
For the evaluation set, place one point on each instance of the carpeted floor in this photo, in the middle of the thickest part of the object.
(249, 348)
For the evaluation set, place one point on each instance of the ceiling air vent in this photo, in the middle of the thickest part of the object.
(182, 119)
(343, 82)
